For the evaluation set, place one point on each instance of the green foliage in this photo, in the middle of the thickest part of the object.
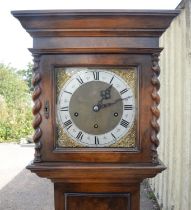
(15, 105)
(27, 75)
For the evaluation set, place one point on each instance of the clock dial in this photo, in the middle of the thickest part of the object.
(86, 102)
(96, 108)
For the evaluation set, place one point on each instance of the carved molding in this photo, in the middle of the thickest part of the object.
(154, 108)
(90, 50)
(36, 108)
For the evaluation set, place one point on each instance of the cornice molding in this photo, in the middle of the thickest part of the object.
(95, 50)
(67, 23)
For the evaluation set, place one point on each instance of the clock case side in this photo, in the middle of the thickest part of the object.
(49, 151)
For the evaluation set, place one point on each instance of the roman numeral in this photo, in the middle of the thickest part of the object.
(96, 75)
(65, 108)
(124, 123)
(68, 124)
(80, 80)
(96, 140)
(123, 91)
(67, 92)
(128, 107)
(111, 79)
(113, 135)
(80, 135)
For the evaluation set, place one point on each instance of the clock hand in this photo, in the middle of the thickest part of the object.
(106, 94)
(112, 103)
(99, 106)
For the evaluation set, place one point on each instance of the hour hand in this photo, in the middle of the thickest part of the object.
(106, 94)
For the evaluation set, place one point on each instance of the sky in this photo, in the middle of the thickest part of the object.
(15, 41)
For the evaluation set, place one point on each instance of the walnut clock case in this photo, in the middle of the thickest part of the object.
(95, 103)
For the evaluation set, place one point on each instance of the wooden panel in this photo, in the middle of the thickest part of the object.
(85, 201)
(94, 42)
(107, 196)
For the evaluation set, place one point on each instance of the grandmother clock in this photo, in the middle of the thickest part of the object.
(95, 103)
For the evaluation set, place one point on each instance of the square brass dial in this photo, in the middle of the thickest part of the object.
(63, 75)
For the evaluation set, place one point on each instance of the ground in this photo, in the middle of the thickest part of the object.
(22, 190)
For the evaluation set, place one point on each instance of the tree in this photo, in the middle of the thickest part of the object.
(15, 105)
(27, 75)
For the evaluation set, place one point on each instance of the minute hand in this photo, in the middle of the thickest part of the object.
(112, 103)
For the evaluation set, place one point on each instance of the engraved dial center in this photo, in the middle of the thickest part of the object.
(85, 101)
